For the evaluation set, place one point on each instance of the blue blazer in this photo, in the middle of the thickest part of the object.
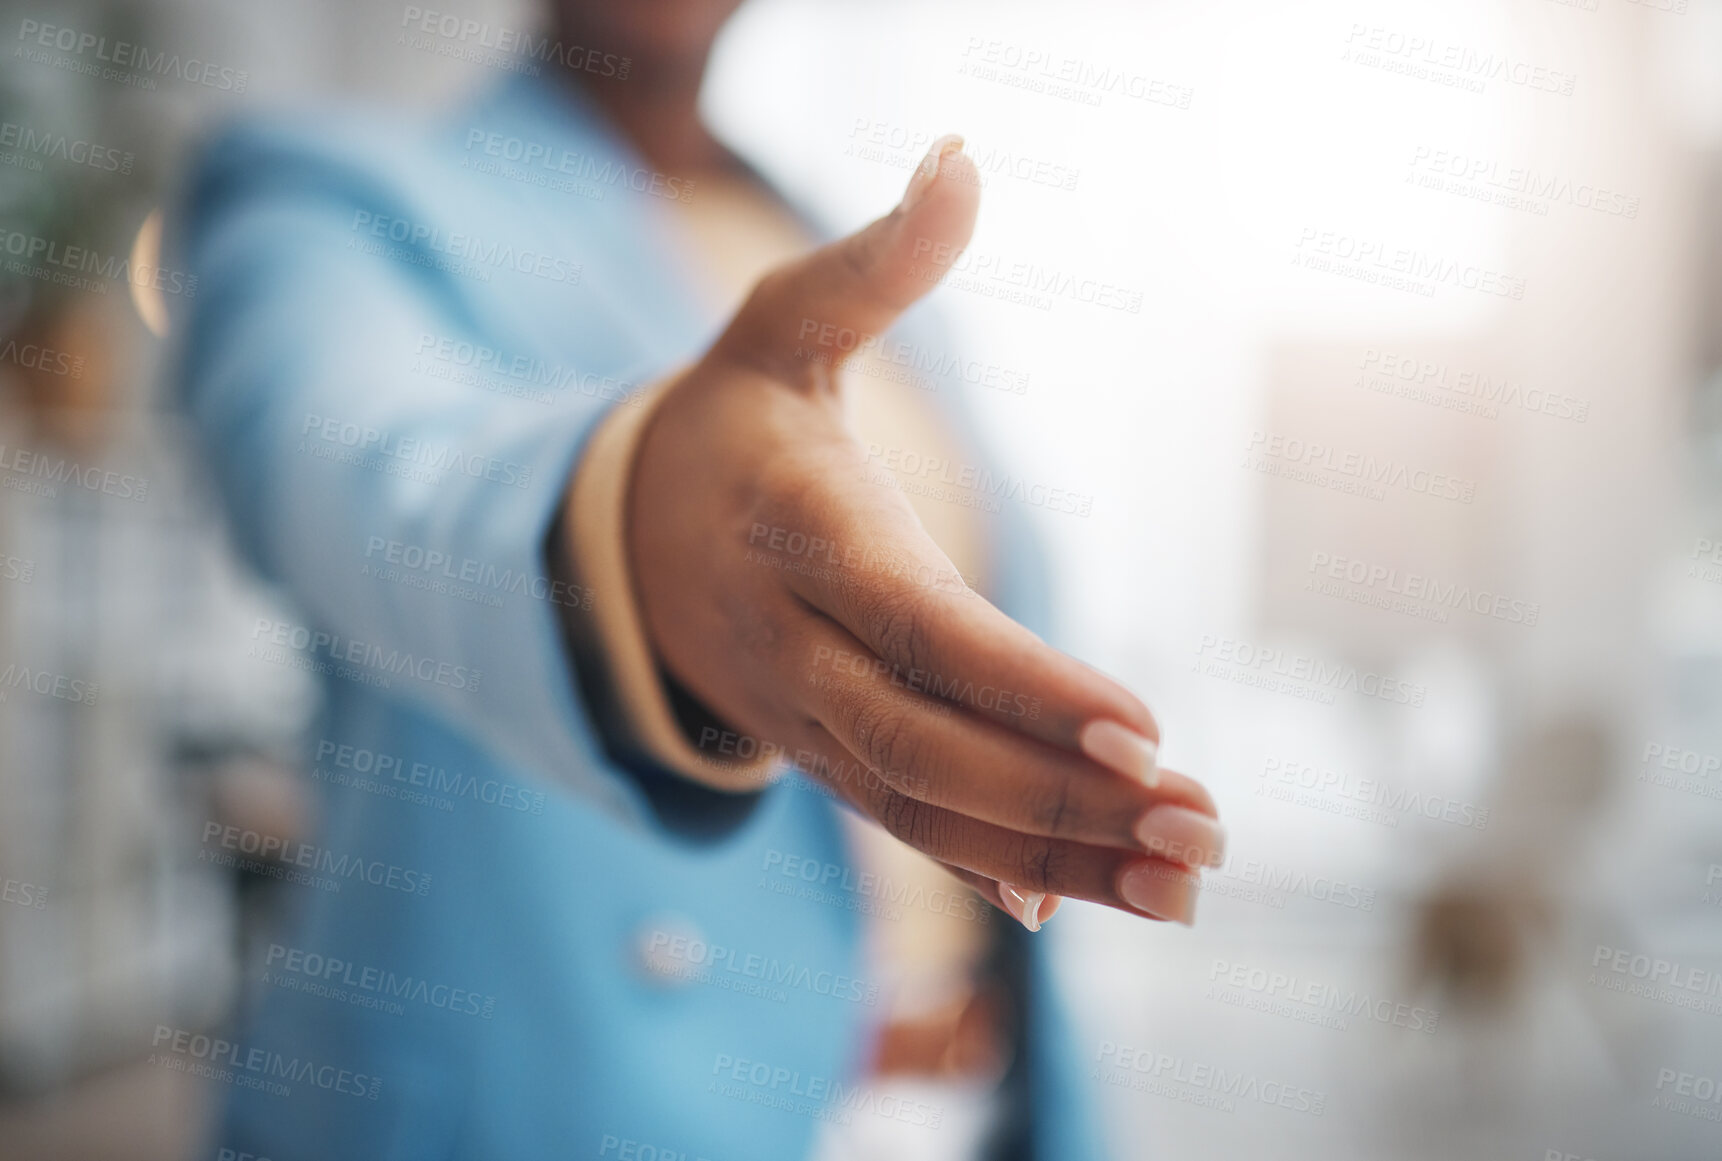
(401, 335)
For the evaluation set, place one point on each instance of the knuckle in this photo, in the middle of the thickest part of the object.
(898, 622)
(1042, 864)
(883, 735)
(1052, 809)
(760, 633)
(926, 828)
(900, 815)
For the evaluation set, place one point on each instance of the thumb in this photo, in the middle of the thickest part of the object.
(839, 298)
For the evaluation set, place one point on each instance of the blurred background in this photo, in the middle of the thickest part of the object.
(1385, 340)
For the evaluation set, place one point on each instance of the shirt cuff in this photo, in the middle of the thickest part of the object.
(642, 713)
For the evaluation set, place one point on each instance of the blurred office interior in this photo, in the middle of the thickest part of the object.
(1544, 796)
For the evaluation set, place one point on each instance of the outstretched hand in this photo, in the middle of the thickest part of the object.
(785, 593)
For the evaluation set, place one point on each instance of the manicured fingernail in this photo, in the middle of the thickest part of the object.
(1181, 835)
(1121, 748)
(928, 171)
(1163, 891)
(1029, 908)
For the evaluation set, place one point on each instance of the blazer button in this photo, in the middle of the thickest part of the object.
(670, 950)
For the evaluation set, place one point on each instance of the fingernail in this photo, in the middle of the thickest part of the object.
(1181, 835)
(1120, 748)
(1029, 908)
(928, 171)
(1163, 891)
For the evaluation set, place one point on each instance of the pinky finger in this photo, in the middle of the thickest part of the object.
(1030, 908)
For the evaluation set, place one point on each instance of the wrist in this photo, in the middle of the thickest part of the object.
(643, 716)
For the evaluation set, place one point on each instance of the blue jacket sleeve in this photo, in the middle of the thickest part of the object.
(406, 515)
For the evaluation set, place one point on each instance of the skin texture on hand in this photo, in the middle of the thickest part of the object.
(791, 598)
